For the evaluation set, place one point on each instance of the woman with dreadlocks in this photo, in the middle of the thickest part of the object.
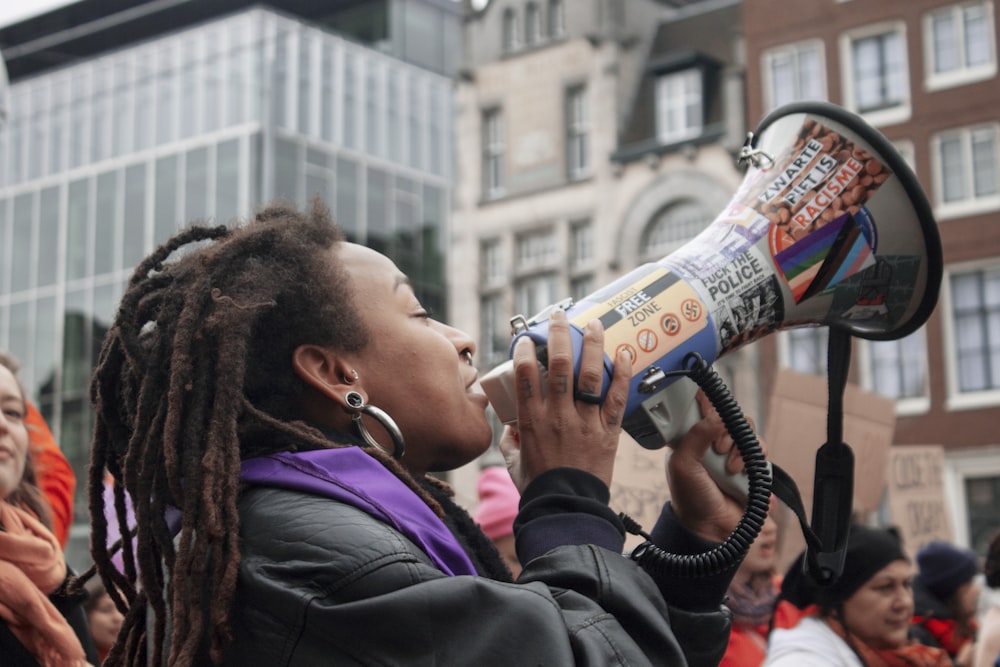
(273, 399)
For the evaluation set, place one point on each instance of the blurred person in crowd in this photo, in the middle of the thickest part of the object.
(753, 597)
(946, 598)
(862, 618)
(40, 624)
(103, 617)
(498, 501)
(55, 475)
(987, 648)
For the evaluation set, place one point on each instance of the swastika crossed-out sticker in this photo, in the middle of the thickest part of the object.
(691, 309)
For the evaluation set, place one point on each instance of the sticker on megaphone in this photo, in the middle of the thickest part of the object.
(650, 312)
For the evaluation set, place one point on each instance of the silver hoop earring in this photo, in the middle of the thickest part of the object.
(353, 377)
(356, 404)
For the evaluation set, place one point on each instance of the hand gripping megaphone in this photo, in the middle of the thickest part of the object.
(828, 228)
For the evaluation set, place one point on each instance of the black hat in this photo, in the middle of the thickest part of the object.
(944, 567)
(868, 551)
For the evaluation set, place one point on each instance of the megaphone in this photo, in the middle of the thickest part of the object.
(829, 227)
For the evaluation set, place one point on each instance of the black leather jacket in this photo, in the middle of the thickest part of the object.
(323, 583)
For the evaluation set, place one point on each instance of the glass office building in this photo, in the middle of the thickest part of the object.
(104, 158)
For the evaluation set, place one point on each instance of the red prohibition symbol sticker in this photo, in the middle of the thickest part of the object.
(628, 348)
(691, 310)
(671, 324)
(647, 340)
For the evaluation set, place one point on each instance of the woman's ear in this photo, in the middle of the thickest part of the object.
(324, 370)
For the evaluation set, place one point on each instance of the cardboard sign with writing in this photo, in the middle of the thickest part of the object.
(796, 429)
(917, 502)
(639, 487)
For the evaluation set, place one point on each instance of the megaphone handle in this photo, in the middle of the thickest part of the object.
(680, 402)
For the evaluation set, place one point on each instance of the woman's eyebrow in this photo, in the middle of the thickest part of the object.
(401, 280)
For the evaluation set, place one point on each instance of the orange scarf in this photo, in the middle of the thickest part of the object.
(32, 567)
(911, 655)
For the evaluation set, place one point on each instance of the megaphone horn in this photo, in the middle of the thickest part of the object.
(828, 228)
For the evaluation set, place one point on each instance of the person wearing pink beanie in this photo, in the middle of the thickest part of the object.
(498, 502)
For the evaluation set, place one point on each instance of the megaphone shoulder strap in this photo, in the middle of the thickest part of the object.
(833, 491)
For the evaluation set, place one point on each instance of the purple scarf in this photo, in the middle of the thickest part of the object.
(350, 476)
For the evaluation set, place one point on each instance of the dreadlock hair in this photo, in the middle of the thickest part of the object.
(195, 374)
(28, 494)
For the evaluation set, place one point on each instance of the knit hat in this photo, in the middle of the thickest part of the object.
(944, 567)
(868, 551)
(498, 501)
(991, 568)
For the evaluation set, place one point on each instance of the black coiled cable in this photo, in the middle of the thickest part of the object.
(731, 552)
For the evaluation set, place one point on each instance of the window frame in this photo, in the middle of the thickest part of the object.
(970, 205)
(905, 405)
(577, 133)
(533, 34)
(493, 152)
(964, 74)
(955, 399)
(794, 50)
(556, 19)
(510, 38)
(885, 115)
(665, 100)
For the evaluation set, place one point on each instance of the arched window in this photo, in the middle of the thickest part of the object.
(510, 36)
(673, 225)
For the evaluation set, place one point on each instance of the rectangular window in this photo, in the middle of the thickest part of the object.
(806, 350)
(532, 24)
(960, 43)
(48, 232)
(106, 223)
(967, 170)
(494, 268)
(898, 368)
(493, 154)
(878, 71)
(78, 224)
(794, 73)
(350, 122)
(536, 249)
(581, 247)
(495, 329)
(305, 97)
(557, 18)
(510, 37)
(533, 294)
(24, 246)
(581, 286)
(577, 151)
(679, 113)
(975, 319)
(134, 231)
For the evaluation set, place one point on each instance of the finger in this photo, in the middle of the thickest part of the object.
(705, 406)
(510, 441)
(613, 410)
(560, 366)
(700, 437)
(591, 379)
(526, 381)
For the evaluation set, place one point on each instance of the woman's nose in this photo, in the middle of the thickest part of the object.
(462, 341)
